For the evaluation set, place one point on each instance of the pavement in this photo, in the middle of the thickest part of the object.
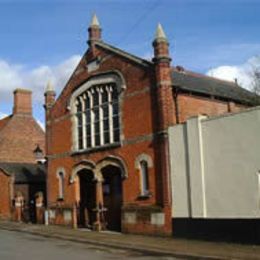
(174, 247)
(17, 245)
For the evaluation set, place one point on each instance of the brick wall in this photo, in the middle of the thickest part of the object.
(5, 195)
(190, 105)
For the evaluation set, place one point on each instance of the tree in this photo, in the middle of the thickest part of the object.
(254, 74)
(256, 80)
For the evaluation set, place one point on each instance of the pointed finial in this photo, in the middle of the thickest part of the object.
(160, 33)
(94, 21)
(49, 87)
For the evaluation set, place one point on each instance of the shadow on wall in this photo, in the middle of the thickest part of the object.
(245, 231)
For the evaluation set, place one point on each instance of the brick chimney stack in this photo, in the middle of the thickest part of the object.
(94, 30)
(22, 102)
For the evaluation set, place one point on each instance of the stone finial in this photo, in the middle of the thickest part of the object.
(94, 21)
(49, 87)
(49, 95)
(160, 34)
(94, 30)
(161, 46)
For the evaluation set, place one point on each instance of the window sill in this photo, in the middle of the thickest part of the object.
(146, 196)
(60, 199)
(96, 149)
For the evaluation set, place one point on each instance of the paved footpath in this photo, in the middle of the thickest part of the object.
(17, 245)
(179, 248)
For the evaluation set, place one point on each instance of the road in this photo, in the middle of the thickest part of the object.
(22, 246)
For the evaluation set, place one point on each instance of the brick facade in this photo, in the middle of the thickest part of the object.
(148, 106)
(192, 105)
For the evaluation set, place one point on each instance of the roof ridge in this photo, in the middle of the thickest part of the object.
(197, 74)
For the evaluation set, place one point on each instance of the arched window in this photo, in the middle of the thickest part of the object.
(61, 184)
(143, 163)
(144, 178)
(97, 116)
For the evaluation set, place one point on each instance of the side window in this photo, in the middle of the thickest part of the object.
(144, 178)
(61, 183)
(143, 164)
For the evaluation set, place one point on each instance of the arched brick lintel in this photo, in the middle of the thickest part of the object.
(96, 168)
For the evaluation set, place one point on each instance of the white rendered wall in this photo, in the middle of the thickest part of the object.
(215, 166)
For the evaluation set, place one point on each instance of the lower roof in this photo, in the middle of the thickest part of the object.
(25, 172)
(188, 81)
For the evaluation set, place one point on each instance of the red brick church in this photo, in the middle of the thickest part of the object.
(107, 135)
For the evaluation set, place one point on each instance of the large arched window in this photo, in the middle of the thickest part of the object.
(97, 116)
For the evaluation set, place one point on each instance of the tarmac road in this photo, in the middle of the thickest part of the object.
(22, 246)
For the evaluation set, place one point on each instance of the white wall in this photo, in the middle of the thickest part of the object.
(215, 166)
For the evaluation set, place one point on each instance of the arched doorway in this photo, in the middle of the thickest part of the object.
(112, 196)
(87, 198)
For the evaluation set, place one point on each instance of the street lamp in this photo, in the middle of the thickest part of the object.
(38, 154)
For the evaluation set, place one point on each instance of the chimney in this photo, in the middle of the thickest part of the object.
(22, 101)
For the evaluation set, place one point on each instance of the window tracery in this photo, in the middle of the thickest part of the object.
(97, 116)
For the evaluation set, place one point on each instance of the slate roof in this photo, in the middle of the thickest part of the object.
(25, 172)
(202, 84)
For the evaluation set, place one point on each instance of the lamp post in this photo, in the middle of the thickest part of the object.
(38, 154)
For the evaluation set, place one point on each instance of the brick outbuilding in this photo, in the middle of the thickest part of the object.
(106, 135)
(20, 173)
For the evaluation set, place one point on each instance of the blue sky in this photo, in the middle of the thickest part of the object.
(39, 37)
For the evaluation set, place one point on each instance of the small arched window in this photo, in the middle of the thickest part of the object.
(61, 185)
(143, 163)
(144, 178)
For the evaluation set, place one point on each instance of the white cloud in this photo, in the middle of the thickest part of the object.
(148, 55)
(17, 75)
(243, 72)
(2, 115)
(14, 76)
